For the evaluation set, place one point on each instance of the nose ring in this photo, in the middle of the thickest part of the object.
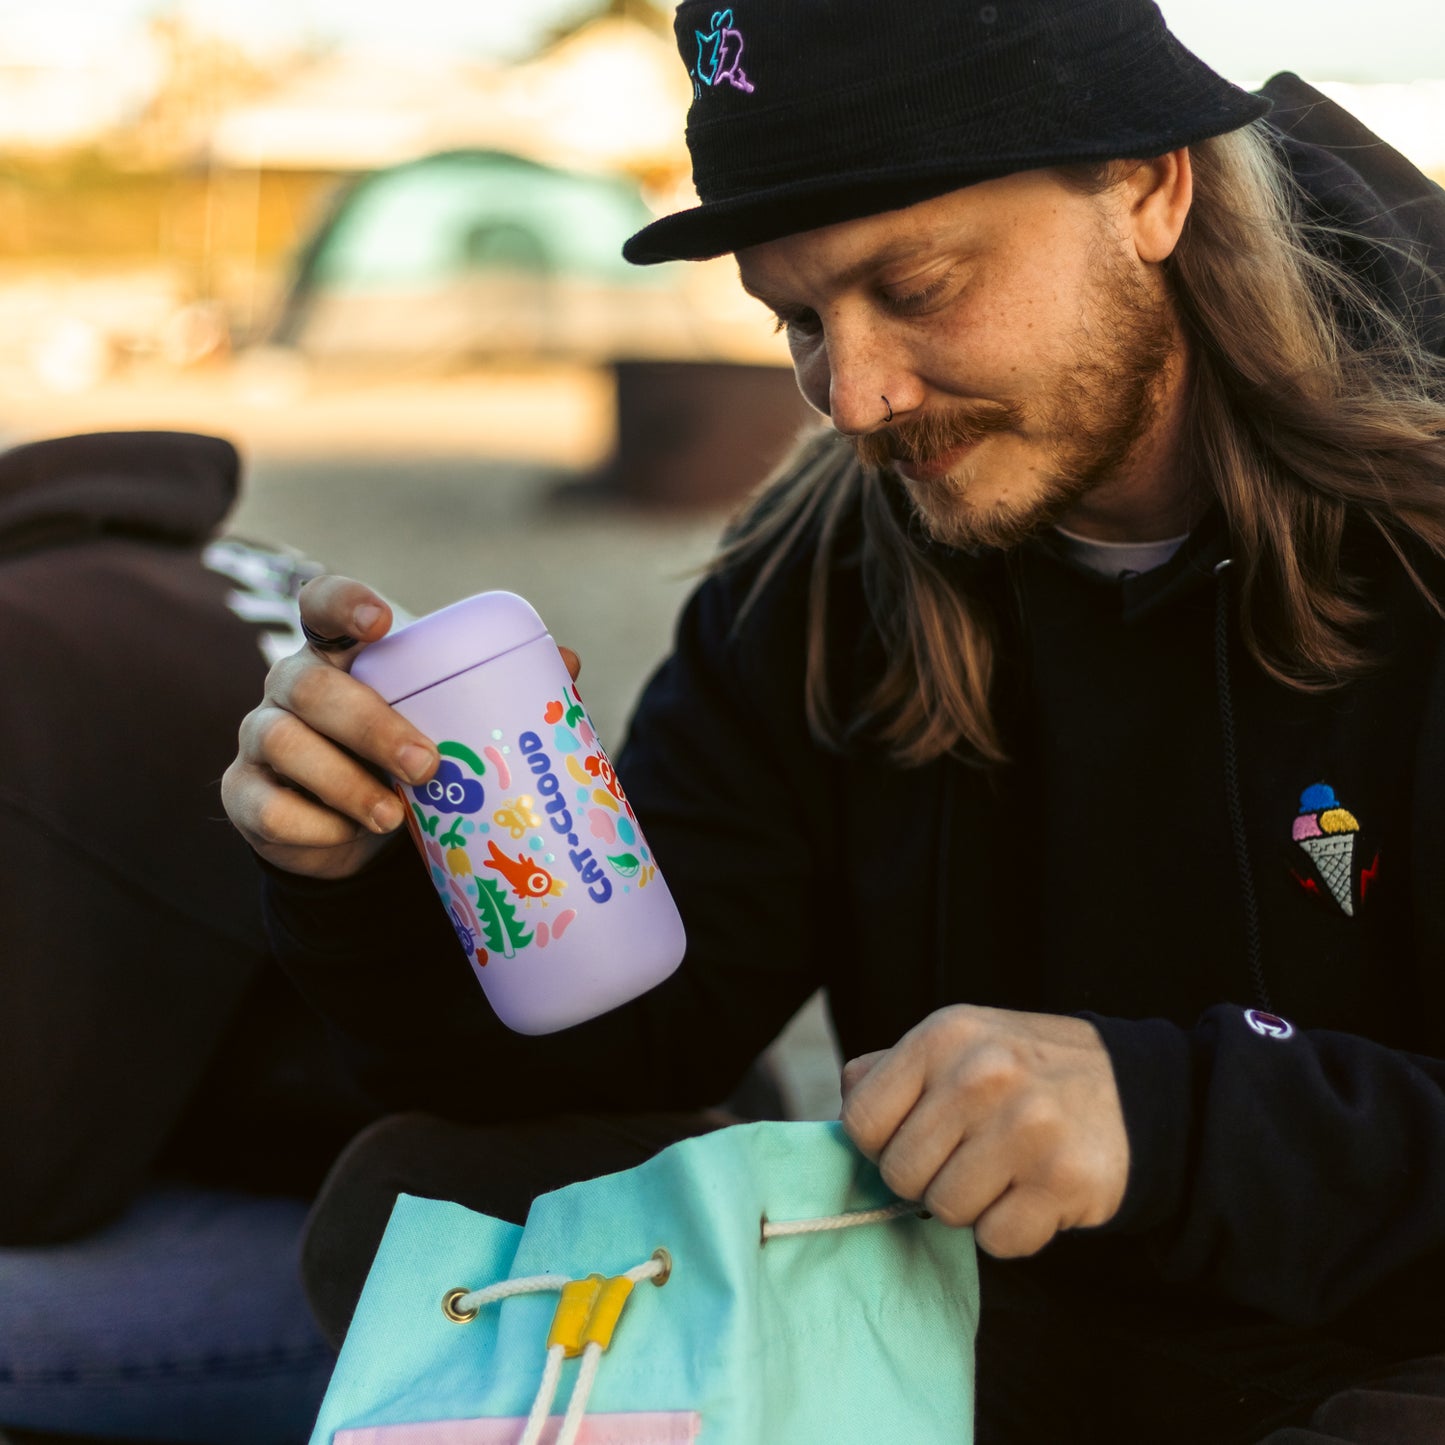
(889, 405)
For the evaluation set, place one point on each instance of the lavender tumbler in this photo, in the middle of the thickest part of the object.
(526, 832)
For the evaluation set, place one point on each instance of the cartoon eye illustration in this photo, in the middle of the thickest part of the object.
(451, 792)
(539, 882)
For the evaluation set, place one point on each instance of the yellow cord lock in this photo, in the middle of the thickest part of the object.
(587, 1313)
(607, 1311)
(574, 1309)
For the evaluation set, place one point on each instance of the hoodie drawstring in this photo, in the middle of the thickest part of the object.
(1225, 692)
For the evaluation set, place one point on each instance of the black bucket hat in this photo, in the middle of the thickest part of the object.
(808, 112)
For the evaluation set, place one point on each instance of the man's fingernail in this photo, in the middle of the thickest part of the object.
(364, 616)
(386, 815)
(415, 762)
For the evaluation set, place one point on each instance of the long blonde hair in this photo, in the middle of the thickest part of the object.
(1310, 401)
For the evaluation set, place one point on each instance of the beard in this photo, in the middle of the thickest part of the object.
(1097, 414)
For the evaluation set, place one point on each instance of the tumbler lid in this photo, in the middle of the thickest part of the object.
(439, 646)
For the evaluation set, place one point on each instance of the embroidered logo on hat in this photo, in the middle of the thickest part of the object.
(863, 106)
(1328, 834)
(720, 56)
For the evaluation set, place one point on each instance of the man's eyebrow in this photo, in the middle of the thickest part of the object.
(902, 251)
(757, 295)
(777, 306)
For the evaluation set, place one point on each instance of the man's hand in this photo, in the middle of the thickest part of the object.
(300, 789)
(1010, 1122)
(308, 788)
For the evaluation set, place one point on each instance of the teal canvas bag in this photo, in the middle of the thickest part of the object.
(755, 1285)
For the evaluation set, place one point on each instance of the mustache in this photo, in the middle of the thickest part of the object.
(917, 439)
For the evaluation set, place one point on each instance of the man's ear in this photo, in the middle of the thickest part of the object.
(1160, 192)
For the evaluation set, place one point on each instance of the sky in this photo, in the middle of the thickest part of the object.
(1390, 40)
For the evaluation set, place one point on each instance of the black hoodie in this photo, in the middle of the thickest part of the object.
(143, 1027)
(1239, 883)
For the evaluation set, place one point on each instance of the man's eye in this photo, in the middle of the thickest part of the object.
(798, 323)
(918, 301)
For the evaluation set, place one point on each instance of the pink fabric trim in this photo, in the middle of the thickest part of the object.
(679, 1427)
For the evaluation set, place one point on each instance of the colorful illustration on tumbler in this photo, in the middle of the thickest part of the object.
(505, 861)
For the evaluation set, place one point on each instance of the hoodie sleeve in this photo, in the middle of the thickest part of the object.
(730, 822)
(112, 998)
(129, 933)
(1377, 212)
(1299, 1172)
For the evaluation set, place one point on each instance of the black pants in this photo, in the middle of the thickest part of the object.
(1052, 1369)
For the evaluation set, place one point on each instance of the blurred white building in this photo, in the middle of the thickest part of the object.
(57, 92)
(609, 97)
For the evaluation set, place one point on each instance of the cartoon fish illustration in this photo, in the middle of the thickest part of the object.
(528, 879)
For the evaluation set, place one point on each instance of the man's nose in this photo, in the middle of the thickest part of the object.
(868, 385)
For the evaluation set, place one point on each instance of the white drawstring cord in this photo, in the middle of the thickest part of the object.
(771, 1230)
(581, 1393)
(649, 1269)
(586, 1375)
(546, 1393)
(462, 1306)
(469, 1304)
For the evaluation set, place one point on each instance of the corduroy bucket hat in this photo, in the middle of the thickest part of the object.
(808, 112)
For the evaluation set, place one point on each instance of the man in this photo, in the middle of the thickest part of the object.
(169, 1105)
(1074, 711)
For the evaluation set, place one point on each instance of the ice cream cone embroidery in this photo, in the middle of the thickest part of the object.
(1327, 834)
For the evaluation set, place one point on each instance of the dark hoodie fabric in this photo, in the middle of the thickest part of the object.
(1387, 221)
(143, 1027)
(1274, 1011)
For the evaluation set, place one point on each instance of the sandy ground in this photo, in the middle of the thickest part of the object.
(431, 489)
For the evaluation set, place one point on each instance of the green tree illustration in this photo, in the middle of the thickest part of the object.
(505, 932)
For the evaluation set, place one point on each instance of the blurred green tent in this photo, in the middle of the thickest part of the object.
(471, 254)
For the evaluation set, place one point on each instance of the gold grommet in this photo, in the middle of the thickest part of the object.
(666, 1272)
(450, 1310)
